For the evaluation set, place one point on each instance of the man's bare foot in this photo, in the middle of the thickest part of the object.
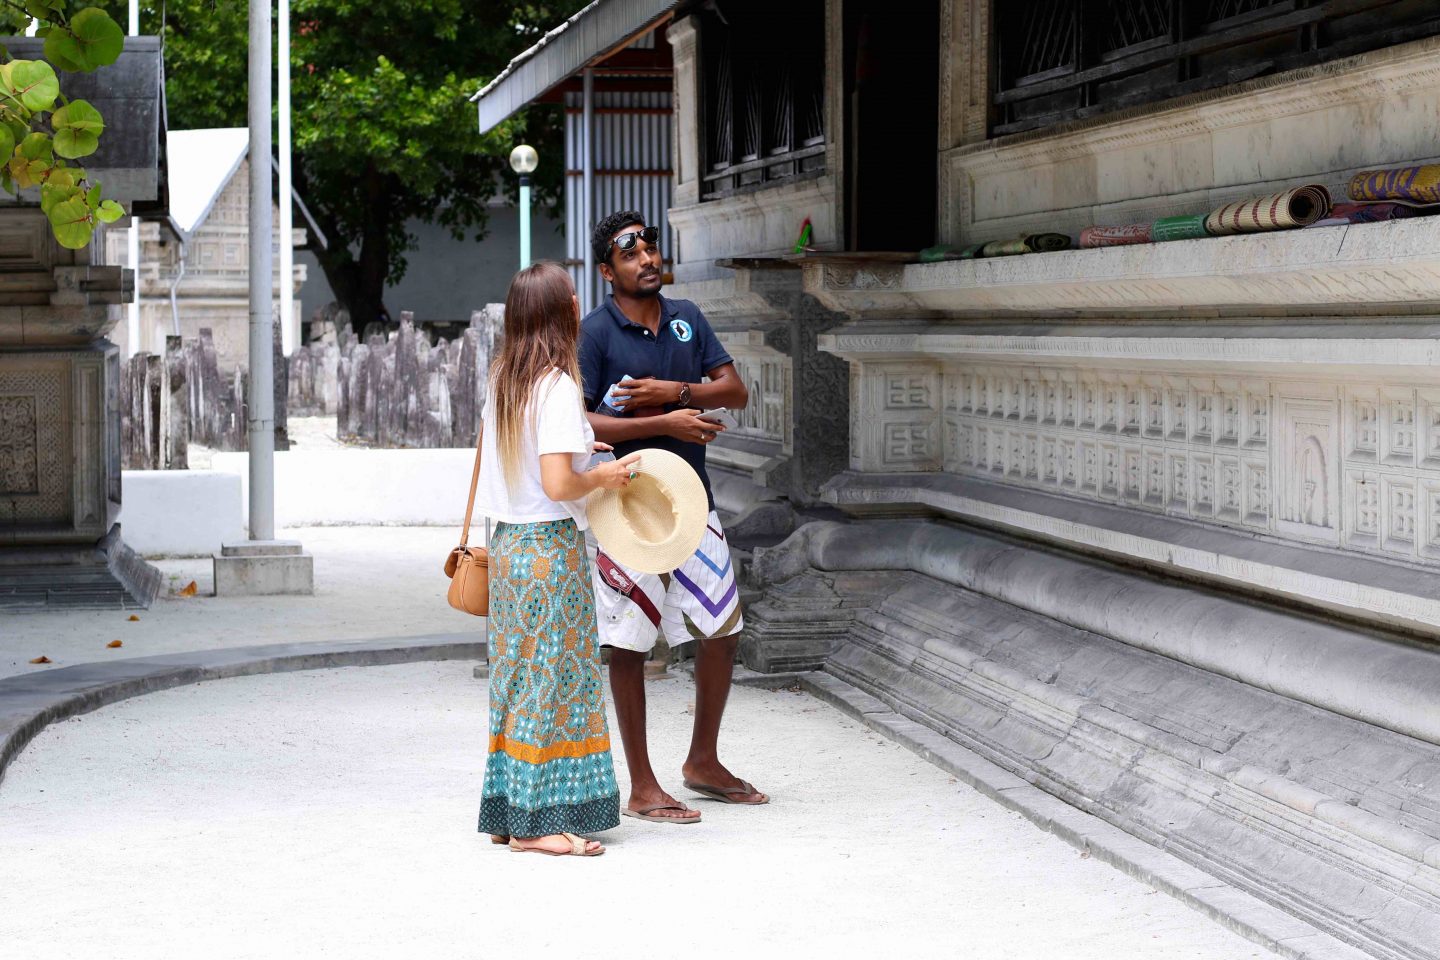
(555, 843)
(664, 806)
(715, 775)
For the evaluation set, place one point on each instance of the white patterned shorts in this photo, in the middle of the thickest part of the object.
(700, 599)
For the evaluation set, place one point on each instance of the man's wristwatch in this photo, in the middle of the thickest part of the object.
(684, 400)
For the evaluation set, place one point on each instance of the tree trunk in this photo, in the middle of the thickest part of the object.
(359, 283)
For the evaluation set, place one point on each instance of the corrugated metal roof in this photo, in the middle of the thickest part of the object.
(596, 30)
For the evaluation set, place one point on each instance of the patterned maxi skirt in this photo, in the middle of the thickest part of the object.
(549, 768)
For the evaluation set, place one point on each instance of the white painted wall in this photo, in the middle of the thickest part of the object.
(180, 513)
(380, 487)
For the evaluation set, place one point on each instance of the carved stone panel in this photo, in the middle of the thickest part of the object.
(36, 452)
(1308, 456)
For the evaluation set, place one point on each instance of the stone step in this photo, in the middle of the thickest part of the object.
(40, 589)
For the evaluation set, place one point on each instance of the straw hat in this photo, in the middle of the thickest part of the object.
(656, 523)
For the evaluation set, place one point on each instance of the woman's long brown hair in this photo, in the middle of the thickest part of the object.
(542, 334)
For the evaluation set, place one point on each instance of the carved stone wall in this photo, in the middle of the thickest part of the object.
(1354, 464)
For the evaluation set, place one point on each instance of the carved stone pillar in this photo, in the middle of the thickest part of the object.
(683, 38)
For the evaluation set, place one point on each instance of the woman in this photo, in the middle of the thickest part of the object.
(549, 776)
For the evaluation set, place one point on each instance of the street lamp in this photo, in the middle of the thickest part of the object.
(523, 160)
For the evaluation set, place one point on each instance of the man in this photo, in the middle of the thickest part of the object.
(675, 368)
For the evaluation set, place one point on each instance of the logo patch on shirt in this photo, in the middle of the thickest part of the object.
(682, 330)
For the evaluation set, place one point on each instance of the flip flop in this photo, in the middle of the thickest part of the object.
(645, 813)
(577, 848)
(727, 795)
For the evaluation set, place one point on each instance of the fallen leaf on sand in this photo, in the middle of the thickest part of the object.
(41, 660)
(114, 643)
(189, 590)
(133, 617)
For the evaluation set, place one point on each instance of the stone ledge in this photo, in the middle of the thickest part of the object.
(1370, 589)
(1361, 269)
(1308, 349)
(31, 702)
(1239, 911)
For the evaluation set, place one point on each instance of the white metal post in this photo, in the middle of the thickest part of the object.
(262, 331)
(587, 169)
(132, 326)
(288, 329)
(524, 220)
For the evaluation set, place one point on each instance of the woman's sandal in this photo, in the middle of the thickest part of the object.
(577, 848)
(499, 839)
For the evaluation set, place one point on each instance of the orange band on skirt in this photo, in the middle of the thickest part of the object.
(530, 753)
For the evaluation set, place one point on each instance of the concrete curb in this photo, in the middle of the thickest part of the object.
(31, 702)
(1246, 915)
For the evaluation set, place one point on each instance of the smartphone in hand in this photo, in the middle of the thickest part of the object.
(721, 416)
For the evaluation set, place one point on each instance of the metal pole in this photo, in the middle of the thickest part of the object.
(287, 250)
(132, 326)
(524, 220)
(587, 169)
(262, 280)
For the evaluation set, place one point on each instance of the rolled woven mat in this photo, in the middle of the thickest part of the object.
(1347, 213)
(1178, 228)
(1296, 207)
(1030, 243)
(1004, 248)
(1047, 242)
(1115, 236)
(1420, 184)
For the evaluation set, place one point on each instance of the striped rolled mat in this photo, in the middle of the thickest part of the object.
(1419, 184)
(1347, 213)
(1115, 236)
(1191, 227)
(1295, 207)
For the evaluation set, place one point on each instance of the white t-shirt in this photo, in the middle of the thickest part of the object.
(556, 423)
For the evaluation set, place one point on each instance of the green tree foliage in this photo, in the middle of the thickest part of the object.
(41, 130)
(383, 130)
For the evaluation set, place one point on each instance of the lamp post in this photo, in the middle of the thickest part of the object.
(524, 160)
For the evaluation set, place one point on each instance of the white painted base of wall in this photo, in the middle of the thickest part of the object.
(180, 513)
(362, 487)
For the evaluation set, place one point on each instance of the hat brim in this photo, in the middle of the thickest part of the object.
(657, 522)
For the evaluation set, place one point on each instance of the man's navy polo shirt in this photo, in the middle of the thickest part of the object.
(613, 346)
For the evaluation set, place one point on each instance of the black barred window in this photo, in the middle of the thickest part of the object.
(763, 69)
(1060, 60)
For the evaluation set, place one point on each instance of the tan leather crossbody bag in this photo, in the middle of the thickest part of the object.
(469, 567)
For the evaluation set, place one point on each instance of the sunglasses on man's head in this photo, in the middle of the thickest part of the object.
(626, 241)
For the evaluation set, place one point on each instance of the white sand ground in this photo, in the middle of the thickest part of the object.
(369, 582)
(332, 814)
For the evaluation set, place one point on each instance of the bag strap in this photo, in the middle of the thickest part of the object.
(474, 482)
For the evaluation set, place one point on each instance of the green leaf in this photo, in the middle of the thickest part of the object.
(51, 194)
(33, 82)
(19, 130)
(98, 37)
(36, 146)
(63, 50)
(109, 211)
(72, 222)
(7, 142)
(77, 129)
